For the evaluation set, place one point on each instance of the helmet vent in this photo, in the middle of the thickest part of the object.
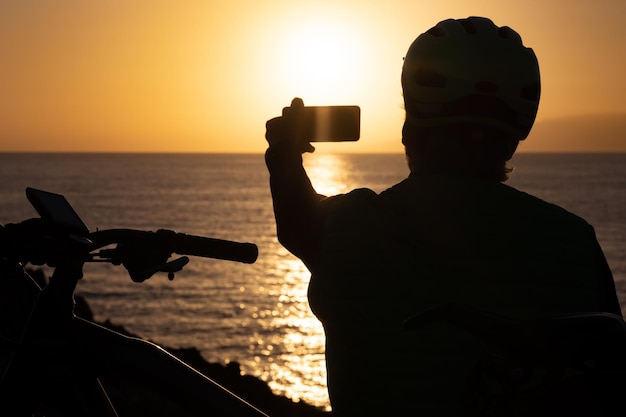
(430, 78)
(435, 31)
(468, 26)
(504, 32)
(486, 87)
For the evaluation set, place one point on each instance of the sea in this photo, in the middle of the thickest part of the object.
(257, 314)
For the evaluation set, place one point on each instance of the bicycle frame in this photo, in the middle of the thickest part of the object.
(65, 365)
(77, 357)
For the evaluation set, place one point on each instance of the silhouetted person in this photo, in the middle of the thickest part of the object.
(450, 232)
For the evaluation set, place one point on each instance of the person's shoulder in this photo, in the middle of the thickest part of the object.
(358, 194)
(530, 206)
(358, 199)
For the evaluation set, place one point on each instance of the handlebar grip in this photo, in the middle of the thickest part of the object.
(216, 248)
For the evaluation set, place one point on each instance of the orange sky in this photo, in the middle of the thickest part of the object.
(204, 76)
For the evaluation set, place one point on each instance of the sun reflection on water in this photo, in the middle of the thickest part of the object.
(329, 173)
(288, 352)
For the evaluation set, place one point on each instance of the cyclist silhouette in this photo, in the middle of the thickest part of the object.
(452, 232)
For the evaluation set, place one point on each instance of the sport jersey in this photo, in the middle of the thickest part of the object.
(428, 241)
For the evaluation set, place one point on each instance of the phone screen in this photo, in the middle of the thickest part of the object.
(331, 123)
(334, 123)
(56, 209)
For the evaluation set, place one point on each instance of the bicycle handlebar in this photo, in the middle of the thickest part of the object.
(180, 243)
(54, 238)
(216, 248)
(143, 253)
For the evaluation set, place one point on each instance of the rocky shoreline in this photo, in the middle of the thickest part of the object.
(132, 396)
(252, 389)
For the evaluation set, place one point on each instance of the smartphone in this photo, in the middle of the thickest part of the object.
(56, 209)
(332, 123)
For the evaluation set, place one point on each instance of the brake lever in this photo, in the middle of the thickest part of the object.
(171, 267)
(174, 266)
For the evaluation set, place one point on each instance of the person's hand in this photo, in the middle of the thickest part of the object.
(288, 130)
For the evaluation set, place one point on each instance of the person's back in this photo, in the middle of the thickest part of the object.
(430, 241)
(452, 232)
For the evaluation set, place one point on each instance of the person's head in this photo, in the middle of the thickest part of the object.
(471, 93)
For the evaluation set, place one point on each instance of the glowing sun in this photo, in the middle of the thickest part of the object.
(321, 61)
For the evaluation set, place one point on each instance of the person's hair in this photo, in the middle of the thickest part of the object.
(463, 149)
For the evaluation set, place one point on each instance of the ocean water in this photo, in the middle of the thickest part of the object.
(258, 314)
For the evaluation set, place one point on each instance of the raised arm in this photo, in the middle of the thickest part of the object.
(297, 206)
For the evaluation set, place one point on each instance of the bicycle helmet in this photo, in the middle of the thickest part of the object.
(471, 71)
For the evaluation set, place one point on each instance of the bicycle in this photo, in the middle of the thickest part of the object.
(55, 363)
